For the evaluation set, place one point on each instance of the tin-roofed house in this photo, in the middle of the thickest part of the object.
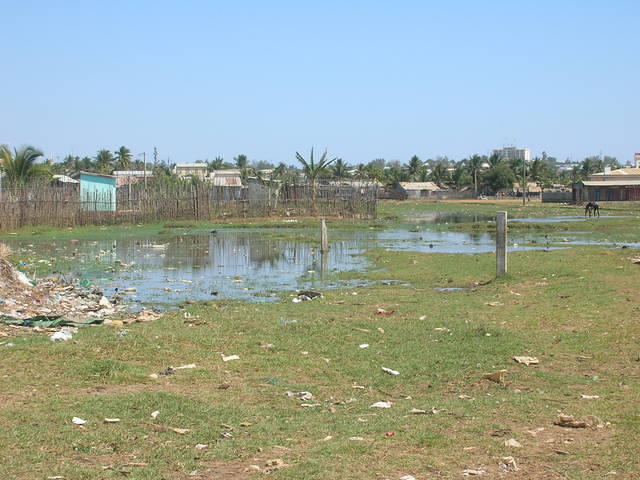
(97, 192)
(228, 184)
(622, 184)
(416, 189)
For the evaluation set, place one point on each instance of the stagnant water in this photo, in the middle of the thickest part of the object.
(168, 269)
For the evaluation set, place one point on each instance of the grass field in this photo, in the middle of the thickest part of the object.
(576, 310)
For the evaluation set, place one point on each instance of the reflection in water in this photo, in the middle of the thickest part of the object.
(166, 270)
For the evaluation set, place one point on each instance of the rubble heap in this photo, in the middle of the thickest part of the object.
(54, 296)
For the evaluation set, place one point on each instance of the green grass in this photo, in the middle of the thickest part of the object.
(575, 309)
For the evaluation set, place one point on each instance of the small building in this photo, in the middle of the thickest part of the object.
(97, 192)
(196, 170)
(228, 183)
(416, 189)
(619, 185)
(226, 178)
(63, 181)
(533, 189)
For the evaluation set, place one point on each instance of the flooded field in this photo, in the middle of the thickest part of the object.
(164, 270)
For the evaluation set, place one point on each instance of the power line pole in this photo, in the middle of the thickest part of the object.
(524, 181)
(155, 157)
(144, 159)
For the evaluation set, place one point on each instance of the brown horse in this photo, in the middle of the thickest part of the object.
(592, 208)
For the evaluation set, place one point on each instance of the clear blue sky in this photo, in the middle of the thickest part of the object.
(365, 79)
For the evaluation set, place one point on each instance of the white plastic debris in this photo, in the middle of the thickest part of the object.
(201, 446)
(390, 372)
(111, 420)
(104, 302)
(527, 360)
(473, 472)
(381, 405)
(363, 345)
(407, 477)
(304, 396)
(508, 464)
(513, 443)
(155, 414)
(63, 335)
(22, 278)
(589, 397)
(230, 357)
(185, 367)
(78, 421)
(296, 300)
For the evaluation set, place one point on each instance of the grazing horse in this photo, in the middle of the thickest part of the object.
(592, 208)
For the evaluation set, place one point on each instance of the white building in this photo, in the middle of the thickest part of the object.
(513, 153)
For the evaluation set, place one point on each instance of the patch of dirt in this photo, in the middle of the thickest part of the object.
(246, 468)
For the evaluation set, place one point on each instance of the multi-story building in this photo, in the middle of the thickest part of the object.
(513, 153)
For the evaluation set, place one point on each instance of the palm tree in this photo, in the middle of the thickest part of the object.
(494, 160)
(439, 173)
(72, 165)
(217, 163)
(474, 165)
(20, 166)
(340, 169)
(413, 167)
(123, 158)
(313, 169)
(104, 161)
(241, 161)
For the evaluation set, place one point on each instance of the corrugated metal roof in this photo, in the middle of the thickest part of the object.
(419, 186)
(610, 183)
(191, 165)
(226, 181)
(619, 171)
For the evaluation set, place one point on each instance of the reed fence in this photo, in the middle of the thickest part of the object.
(62, 206)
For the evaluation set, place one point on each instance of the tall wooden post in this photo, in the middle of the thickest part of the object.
(324, 237)
(501, 243)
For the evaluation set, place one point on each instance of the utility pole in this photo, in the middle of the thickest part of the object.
(144, 159)
(524, 181)
(155, 157)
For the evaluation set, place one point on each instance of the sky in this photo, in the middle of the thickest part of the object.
(363, 79)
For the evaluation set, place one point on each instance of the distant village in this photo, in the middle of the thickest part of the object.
(509, 172)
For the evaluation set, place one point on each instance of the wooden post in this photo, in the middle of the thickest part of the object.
(324, 237)
(501, 243)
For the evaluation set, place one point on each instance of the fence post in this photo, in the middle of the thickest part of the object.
(501, 243)
(324, 237)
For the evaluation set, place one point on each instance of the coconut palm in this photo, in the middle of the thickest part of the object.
(241, 161)
(313, 169)
(474, 164)
(413, 167)
(340, 169)
(104, 161)
(440, 173)
(21, 166)
(123, 158)
(494, 160)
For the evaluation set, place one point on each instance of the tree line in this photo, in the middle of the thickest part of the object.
(483, 173)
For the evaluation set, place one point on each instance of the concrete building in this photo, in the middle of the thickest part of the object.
(198, 170)
(513, 153)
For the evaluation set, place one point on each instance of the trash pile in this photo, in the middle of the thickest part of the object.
(53, 302)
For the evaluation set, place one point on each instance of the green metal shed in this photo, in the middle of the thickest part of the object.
(97, 192)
